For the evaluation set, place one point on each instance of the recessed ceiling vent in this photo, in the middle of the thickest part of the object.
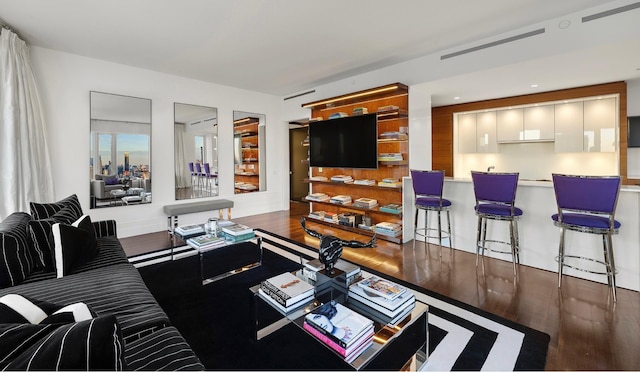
(494, 43)
(611, 12)
(300, 94)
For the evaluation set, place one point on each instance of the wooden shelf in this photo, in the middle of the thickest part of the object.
(351, 98)
(356, 230)
(354, 185)
(352, 207)
(392, 115)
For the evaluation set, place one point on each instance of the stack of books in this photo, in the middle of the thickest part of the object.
(331, 217)
(360, 111)
(318, 196)
(341, 199)
(382, 300)
(390, 182)
(318, 215)
(342, 178)
(286, 291)
(365, 182)
(318, 178)
(349, 219)
(237, 232)
(187, 231)
(391, 156)
(342, 329)
(352, 272)
(388, 229)
(337, 115)
(365, 203)
(387, 108)
(392, 208)
(393, 136)
(205, 243)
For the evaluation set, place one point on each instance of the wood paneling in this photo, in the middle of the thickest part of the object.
(442, 119)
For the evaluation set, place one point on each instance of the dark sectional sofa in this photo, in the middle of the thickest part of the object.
(109, 285)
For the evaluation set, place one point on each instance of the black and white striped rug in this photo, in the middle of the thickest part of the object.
(462, 337)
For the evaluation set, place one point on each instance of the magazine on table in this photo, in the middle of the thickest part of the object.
(340, 323)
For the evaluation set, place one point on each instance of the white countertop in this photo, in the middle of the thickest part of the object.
(540, 183)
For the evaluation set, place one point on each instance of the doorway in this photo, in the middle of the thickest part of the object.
(298, 163)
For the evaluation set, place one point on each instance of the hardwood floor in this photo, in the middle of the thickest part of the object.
(588, 331)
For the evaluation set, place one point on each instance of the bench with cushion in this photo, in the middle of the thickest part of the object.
(106, 282)
(173, 211)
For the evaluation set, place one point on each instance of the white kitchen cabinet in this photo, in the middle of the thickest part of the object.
(539, 123)
(569, 127)
(466, 133)
(600, 125)
(486, 132)
(510, 125)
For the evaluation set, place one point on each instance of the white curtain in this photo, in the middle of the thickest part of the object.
(181, 165)
(25, 165)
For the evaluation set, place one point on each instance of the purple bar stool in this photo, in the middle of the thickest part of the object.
(427, 188)
(193, 173)
(587, 204)
(199, 174)
(495, 200)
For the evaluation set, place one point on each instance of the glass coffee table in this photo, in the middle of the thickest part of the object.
(401, 345)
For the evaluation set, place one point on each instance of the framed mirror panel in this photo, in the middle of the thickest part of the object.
(120, 161)
(196, 151)
(249, 152)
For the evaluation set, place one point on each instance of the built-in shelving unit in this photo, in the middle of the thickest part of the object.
(247, 171)
(390, 103)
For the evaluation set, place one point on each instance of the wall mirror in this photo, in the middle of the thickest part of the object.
(196, 151)
(249, 152)
(120, 150)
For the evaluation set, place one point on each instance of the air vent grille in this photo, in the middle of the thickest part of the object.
(494, 43)
(611, 12)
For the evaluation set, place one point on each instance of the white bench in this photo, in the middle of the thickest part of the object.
(174, 210)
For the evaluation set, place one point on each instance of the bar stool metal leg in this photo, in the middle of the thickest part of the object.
(560, 256)
(415, 227)
(449, 231)
(439, 234)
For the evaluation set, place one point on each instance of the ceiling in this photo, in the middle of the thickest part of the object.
(279, 47)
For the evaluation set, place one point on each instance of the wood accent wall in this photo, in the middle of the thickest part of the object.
(442, 119)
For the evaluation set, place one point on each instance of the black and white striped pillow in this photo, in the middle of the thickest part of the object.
(40, 233)
(15, 308)
(74, 244)
(16, 261)
(94, 344)
(40, 211)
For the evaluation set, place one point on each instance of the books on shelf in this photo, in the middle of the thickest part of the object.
(331, 217)
(367, 227)
(388, 229)
(365, 203)
(365, 182)
(384, 288)
(390, 156)
(396, 184)
(318, 215)
(392, 208)
(349, 219)
(387, 108)
(340, 324)
(393, 136)
(318, 178)
(318, 196)
(237, 229)
(287, 290)
(360, 110)
(341, 178)
(337, 115)
(341, 199)
(204, 242)
(189, 229)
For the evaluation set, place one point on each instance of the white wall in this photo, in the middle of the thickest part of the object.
(65, 81)
(633, 109)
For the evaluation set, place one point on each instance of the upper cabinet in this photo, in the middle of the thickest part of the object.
(599, 125)
(569, 121)
(588, 125)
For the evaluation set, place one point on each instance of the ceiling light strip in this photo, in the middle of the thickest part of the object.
(351, 96)
(611, 12)
(494, 43)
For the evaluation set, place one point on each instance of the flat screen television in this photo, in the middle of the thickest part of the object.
(349, 142)
(633, 133)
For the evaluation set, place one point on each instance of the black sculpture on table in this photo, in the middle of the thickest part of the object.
(331, 246)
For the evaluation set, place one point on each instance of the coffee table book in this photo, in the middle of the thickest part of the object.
(381, 317)
(205, 241)
(346, 326)
(350, 353)
(390, 308)
(237, 229)
(283, 309)
(381, 287)
(189, 229)
(287, 289)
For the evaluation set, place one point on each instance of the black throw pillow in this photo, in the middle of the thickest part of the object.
(94, 344)
(40, 211)
(73, 245)
(41, 238)
(16, 260)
